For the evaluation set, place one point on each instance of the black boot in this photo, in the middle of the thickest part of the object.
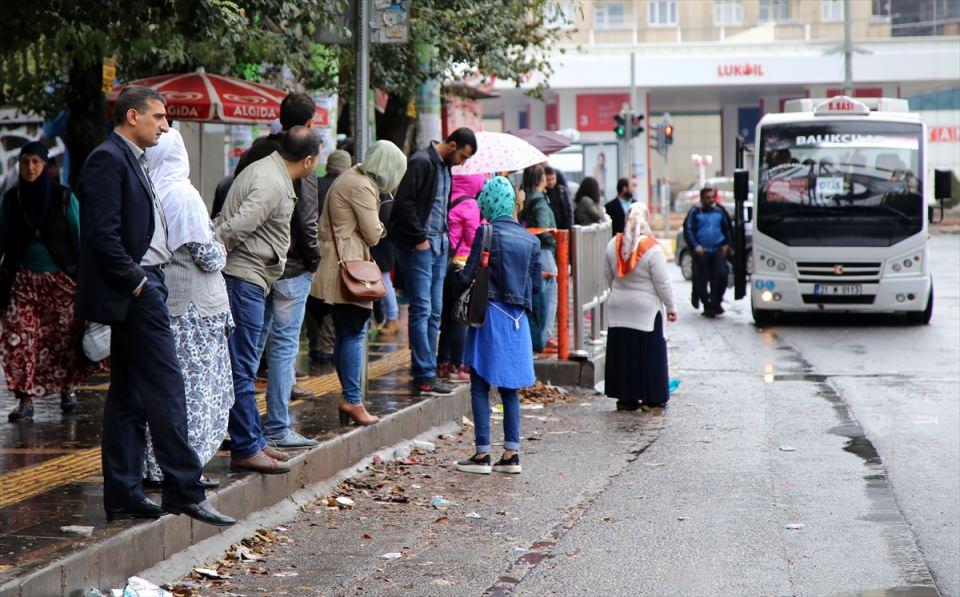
(24, 410)
(68, 402)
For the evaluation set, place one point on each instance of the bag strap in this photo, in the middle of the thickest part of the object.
(457, 202)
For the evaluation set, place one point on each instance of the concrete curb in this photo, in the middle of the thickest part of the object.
(110, 562)
(582, 374)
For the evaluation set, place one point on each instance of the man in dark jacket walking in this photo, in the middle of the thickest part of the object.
(283, 314)
(618, 206)
(418, 229)
(708, 233)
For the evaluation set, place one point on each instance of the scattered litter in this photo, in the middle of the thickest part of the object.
(401, 452)
(674, 385)
(208, 573)
(787, 449)
(586, 404)
(793, 526)
(681, 518)
(377, 459)
(345, 502)
(439, 503)
(542, 393)
(467, 422)
(286, 574)
(367, 536)
(282, 529)
(496, 409)
(519, 549)
(243, 553)
(531, 406)
(653, 464)
(138, 587)
(78, 530)
(415, 486)
(474, 515)
(428, 446)
(441, 582)
(608, 519)
(408, 461)
(393, 555)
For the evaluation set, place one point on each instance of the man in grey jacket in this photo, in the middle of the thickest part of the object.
(254, 226)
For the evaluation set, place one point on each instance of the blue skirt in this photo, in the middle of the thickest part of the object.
(500, 351)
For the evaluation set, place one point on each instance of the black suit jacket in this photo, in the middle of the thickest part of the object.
(116, 226)
(615, 211)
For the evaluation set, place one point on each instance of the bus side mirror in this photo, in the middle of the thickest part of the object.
(942, 184)
(741, 191)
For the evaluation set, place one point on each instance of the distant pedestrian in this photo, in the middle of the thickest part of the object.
(320, 331)
(463, 219)
(39, 336)
(283, 314)
(349, 226)
(418, 228)
(587, 208)
(640, 298)
(385, 254)
(254, 226)
(708, 232)
(537, 214)
(559, 196)
(123, 249)
(197, 301)
(618, 206)
(499, 353)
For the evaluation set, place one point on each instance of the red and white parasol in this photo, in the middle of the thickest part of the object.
(500, 152)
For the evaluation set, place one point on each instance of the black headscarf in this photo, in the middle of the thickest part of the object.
(35, 196)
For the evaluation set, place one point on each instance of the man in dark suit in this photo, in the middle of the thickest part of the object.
(123, 249)
(618, 206)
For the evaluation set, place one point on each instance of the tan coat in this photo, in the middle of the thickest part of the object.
(353, 205)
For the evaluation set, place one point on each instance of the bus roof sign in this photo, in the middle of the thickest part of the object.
(841, 104)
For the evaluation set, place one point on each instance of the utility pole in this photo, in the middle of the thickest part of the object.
(361, 112)
(847, 50)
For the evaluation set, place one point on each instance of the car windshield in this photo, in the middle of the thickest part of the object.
(840, 183)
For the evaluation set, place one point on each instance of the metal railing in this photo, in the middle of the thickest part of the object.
(590, 288)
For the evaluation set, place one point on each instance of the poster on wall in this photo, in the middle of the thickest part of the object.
(325, 125)
(240, 137)
(601, 162)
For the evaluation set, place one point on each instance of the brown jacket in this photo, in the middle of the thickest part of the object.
(352, 205)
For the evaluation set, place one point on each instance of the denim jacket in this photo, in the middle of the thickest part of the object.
(515, 274)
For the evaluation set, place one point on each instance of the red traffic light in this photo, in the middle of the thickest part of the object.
(668, 133)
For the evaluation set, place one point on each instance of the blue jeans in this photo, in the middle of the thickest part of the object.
(549, 266)
(423, 273)
(480, 403)
(350, 327)
(246, 304)
(390, 305)
(280, 337)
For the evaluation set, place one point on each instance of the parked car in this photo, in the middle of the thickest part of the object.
(684, 256)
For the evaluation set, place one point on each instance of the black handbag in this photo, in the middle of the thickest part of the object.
(471, 309)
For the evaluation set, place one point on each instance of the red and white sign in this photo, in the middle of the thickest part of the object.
(945, 134)
(841, 104)
(740, 70)
(595, 111)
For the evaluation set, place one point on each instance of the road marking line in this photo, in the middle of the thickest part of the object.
(25, 483)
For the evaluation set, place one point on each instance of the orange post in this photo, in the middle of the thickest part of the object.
(563, 288)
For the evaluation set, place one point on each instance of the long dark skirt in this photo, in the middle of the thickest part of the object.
(636, 365)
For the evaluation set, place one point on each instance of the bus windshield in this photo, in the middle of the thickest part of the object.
(840, 183)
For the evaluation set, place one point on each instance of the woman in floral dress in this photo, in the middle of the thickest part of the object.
(199, 309)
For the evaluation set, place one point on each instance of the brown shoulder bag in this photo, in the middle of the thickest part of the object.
(359, 280)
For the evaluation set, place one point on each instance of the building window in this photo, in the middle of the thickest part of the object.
(610, 15)
(774, 10)
(727, 12)
(663, 13)
(831, 10)
(880, 10)
(564, 15)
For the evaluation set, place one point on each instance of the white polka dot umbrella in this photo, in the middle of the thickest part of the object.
(500, 152)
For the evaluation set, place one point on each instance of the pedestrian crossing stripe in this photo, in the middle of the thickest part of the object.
(25, 483)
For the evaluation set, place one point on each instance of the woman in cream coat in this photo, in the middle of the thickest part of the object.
(350, 218)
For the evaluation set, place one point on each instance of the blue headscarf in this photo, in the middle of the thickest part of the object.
(497, 199)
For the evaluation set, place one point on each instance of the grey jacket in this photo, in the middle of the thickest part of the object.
(193, 277)
(254, 225)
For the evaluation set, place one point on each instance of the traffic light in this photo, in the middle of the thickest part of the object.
(621, 125)
(637, 125)
(668, 134)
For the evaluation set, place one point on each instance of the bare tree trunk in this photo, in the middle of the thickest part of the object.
(394, 124)
(87, 126)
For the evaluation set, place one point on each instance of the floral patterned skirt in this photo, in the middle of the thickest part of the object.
(39, 336)
(208, 381)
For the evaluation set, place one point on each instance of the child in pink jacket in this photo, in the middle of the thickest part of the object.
(463, 219)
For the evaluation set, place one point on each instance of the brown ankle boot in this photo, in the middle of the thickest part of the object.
(260, 463)
(357, 413)
(389, 328)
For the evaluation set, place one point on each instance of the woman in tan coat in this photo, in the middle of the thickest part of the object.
(350, 219)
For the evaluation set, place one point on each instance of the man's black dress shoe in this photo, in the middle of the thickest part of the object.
(145, 509)
(204, 512)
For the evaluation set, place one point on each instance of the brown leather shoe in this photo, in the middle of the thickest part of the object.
(356, 413)
(275, 453)
(260, 463)
(389, 328)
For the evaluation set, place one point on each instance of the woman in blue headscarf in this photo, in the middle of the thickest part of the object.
(39, 337)
(499, 353)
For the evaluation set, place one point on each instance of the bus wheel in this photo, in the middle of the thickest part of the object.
(922, 317)
(762, 318)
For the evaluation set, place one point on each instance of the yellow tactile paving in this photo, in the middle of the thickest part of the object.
(31, 481)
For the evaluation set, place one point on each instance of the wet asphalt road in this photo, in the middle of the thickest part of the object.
(849, 431)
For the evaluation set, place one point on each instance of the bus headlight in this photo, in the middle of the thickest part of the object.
(896, 267)
(781, 267)
(766, 296)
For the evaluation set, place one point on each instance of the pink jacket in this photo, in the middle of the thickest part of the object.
(464, 219)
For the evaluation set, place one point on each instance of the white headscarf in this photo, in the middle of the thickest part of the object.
(635, 229)
(183, 207)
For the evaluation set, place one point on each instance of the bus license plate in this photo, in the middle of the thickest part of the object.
(838, 289)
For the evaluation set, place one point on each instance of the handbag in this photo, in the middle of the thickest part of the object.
(359, 280)
(96, 342)
(471, 309)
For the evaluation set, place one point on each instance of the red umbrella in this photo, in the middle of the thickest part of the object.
(203, 97)
(546, 141)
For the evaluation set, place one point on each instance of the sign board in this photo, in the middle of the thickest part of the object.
(595, 111)
(325, 124)
(390, 22)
